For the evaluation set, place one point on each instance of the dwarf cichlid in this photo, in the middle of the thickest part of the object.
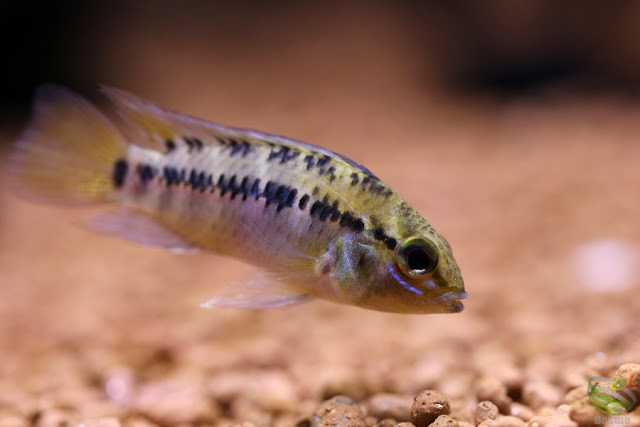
(318, 224)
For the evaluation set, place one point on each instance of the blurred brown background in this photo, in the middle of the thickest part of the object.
(464, 47)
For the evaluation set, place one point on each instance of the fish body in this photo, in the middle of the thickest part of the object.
(318, 224)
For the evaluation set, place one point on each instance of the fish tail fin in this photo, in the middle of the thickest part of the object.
(69, 152)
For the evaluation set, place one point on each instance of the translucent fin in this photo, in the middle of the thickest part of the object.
(67, 153)
(261, 293)
(139, 228)
(160, 125)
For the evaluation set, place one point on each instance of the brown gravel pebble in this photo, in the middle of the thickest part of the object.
(489, 388)
(486, 410)
(539, 393)
(521, 411)
(509, 421)
(174, 402)
(427, 406)
(386, 405)
(465, 424)
(101, 422)
(444, 421)
(488, 423)
(338, 411)
(584, 413)
(575, 395)
(406, 424)
(387, 422)
(555, 420)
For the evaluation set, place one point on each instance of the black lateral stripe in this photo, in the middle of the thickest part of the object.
(120, 169)
(202, 181)
(146, 173)
(349, 221)
(303, 201)
(391, 243)
(291, 198)
(222, 186)
(243, 188)
(255, 189)
(269, 192)
(233, 188)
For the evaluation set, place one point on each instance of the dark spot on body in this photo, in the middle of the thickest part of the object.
(146, 173)
(170, 145)
(120, 169)
(284, 154)
(269, 192)
(311, 161)
(243, 188)
(222, 186)
(354, 178)
(255, 189)
(323, 161)
(231, 185)
(303, 201)
(379, 234)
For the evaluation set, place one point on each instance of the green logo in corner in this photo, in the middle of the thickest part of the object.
(611, 398)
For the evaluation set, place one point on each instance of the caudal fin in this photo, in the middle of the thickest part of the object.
(67, 153)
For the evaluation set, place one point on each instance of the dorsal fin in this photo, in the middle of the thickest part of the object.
(159, 126)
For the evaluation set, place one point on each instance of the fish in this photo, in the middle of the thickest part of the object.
(315, 223)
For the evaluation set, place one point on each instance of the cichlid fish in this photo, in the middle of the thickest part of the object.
(318, 224)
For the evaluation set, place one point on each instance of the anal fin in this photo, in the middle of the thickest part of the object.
(139, 228)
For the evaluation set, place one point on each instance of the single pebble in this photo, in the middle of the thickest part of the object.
(521, 411)
(489, 388)
(174, 401)
(101, 422)
(464, 424)
(406, 424)
(427, 406)
(444, 421)
(584, 413)
(387, 422)
(488, 423)
(539, 393)
(560, 420)
(386, 405)
(486, 410)
(574, 395)
(509, 421)
(338, 411)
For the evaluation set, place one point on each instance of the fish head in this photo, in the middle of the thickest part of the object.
(418, 276)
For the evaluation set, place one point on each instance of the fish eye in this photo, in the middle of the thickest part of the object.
(417, 256)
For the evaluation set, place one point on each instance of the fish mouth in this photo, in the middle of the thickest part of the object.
(451, 301)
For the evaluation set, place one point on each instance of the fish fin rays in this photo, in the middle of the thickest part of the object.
(156, 126)
(264, 292)
(139, 228)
